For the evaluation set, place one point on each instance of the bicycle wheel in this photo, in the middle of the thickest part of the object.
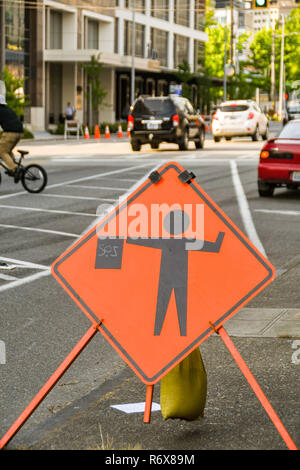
(34, 178)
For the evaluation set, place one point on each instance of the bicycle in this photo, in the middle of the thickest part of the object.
(34, 177)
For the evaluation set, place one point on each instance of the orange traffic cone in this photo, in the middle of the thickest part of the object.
(120, 132)
(107, 133)
(97, 133)
(86, 133)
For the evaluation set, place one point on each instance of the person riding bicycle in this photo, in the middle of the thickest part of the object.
(12, 133)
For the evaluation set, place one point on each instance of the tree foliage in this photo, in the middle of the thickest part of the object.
(254, 70)
(95, 92)
(15, 97)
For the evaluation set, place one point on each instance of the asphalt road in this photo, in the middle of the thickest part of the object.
(39, 323)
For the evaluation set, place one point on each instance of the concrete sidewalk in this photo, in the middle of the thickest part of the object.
(269, 342)
(233, 417)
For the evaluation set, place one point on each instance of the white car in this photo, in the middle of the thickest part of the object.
(238, 119)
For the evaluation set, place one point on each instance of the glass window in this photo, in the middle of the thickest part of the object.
(189, 107)
(199, 15)
(159, 46)
(116, 38)
(181, 49)
(160, 9)
(234, 108)
(182, 12)
(153, 107)
(92, 34)
(290, 131)
(17, 37)
(55, 29)
(139, 39)
(139, 5)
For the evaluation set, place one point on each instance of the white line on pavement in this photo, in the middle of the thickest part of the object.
(47, 271)
(66, 234)
(5, 277)
(244, 209)
(68, 196)
(123, 197)
(95, 187)
(84, 178)
(249, 155)
(52, 211)
(131, 180)
(25, 264)
(25, 280)
(269, 211)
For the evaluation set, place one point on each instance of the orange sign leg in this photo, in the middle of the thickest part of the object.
(148, 404)
(256, 388)
(49, 385)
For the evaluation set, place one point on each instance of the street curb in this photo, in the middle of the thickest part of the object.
(30, 438)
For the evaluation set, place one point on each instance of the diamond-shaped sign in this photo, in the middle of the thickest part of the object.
(161, 270)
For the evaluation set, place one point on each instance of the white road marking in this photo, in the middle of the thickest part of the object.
(131, 180)
(25, 280)
(282, 212)
(129, 408)
(52, 211)
(68, 196)
(123, 197)
(66, 234)
(244, 209)
(249, 155)
(5, 277)
(47, 271)
(84, 178)
(25, 264)
(96, 187)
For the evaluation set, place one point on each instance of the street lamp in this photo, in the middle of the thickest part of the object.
(281, 70)
(133, 54)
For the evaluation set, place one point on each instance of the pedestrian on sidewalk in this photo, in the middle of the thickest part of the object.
(70, 112)
(12, 133)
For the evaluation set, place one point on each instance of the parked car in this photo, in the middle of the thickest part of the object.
(279, 163)
(153, 120)
(239, 118)
(292, 112)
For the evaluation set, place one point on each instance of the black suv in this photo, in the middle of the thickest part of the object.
(153, 120)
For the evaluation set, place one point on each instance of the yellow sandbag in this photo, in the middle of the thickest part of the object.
(183, 389)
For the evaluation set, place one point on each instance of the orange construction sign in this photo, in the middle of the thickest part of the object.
(161, 271)
(157, 275)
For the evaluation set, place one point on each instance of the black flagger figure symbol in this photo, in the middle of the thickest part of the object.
(173, 265)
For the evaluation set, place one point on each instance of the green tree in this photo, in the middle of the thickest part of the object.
(96, 94)
(259, 61)
(15, 98)
(185, 77)
(292, 46)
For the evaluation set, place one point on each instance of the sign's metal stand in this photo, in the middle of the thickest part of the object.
(94, 328)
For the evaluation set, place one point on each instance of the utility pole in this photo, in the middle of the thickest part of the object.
(133, 54)
(231, 31)
(225, 63)
(281, 70)
(273, 90)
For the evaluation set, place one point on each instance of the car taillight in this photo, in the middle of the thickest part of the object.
(130, 122)
(197, 123)
(250, 116)
(264, 154)
(175, 120)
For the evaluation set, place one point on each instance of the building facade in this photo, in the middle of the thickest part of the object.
(54, 39)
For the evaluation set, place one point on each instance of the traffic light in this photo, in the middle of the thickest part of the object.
(260, 4)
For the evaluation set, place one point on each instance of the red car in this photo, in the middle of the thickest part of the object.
(279, 163)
